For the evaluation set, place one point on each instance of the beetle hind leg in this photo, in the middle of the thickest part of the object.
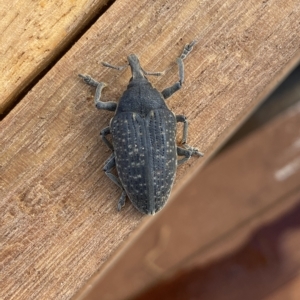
(109, 164)
(109, 105)
(122, 200)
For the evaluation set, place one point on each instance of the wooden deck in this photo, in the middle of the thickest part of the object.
(60, 229)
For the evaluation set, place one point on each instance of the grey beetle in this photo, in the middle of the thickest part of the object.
(143, 132)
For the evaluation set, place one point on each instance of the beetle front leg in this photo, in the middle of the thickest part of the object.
(110, 105)
(177, 86)
(108, 166)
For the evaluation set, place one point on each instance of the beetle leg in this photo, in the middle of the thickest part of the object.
(110, 105)
(187, 152)
(182, 118)
(183, 152)
(175, 87)
(104, 132)
(109, 164)
(122, 200)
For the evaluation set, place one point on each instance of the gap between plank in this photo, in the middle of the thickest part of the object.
(78, 33)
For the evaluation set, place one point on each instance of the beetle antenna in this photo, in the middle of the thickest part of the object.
(119, 68)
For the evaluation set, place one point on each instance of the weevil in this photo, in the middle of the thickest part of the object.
(143, 130)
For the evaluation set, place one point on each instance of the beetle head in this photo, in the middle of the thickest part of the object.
(136, 69)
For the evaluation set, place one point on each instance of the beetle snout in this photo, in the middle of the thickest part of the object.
(136, 70)
(132, 58)
(134, 62)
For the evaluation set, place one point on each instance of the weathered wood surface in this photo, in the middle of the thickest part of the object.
(263, 264)
(252, 187)
(33, 34)
(289, 291)
(59, 221)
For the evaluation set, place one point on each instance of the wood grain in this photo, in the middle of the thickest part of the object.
(59, 220)
(248, 187)
(33, 34)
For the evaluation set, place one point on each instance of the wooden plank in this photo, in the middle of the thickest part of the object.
(268, 259)
(289, 291)
(33, 35)
(245, 187)
(60, 222)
